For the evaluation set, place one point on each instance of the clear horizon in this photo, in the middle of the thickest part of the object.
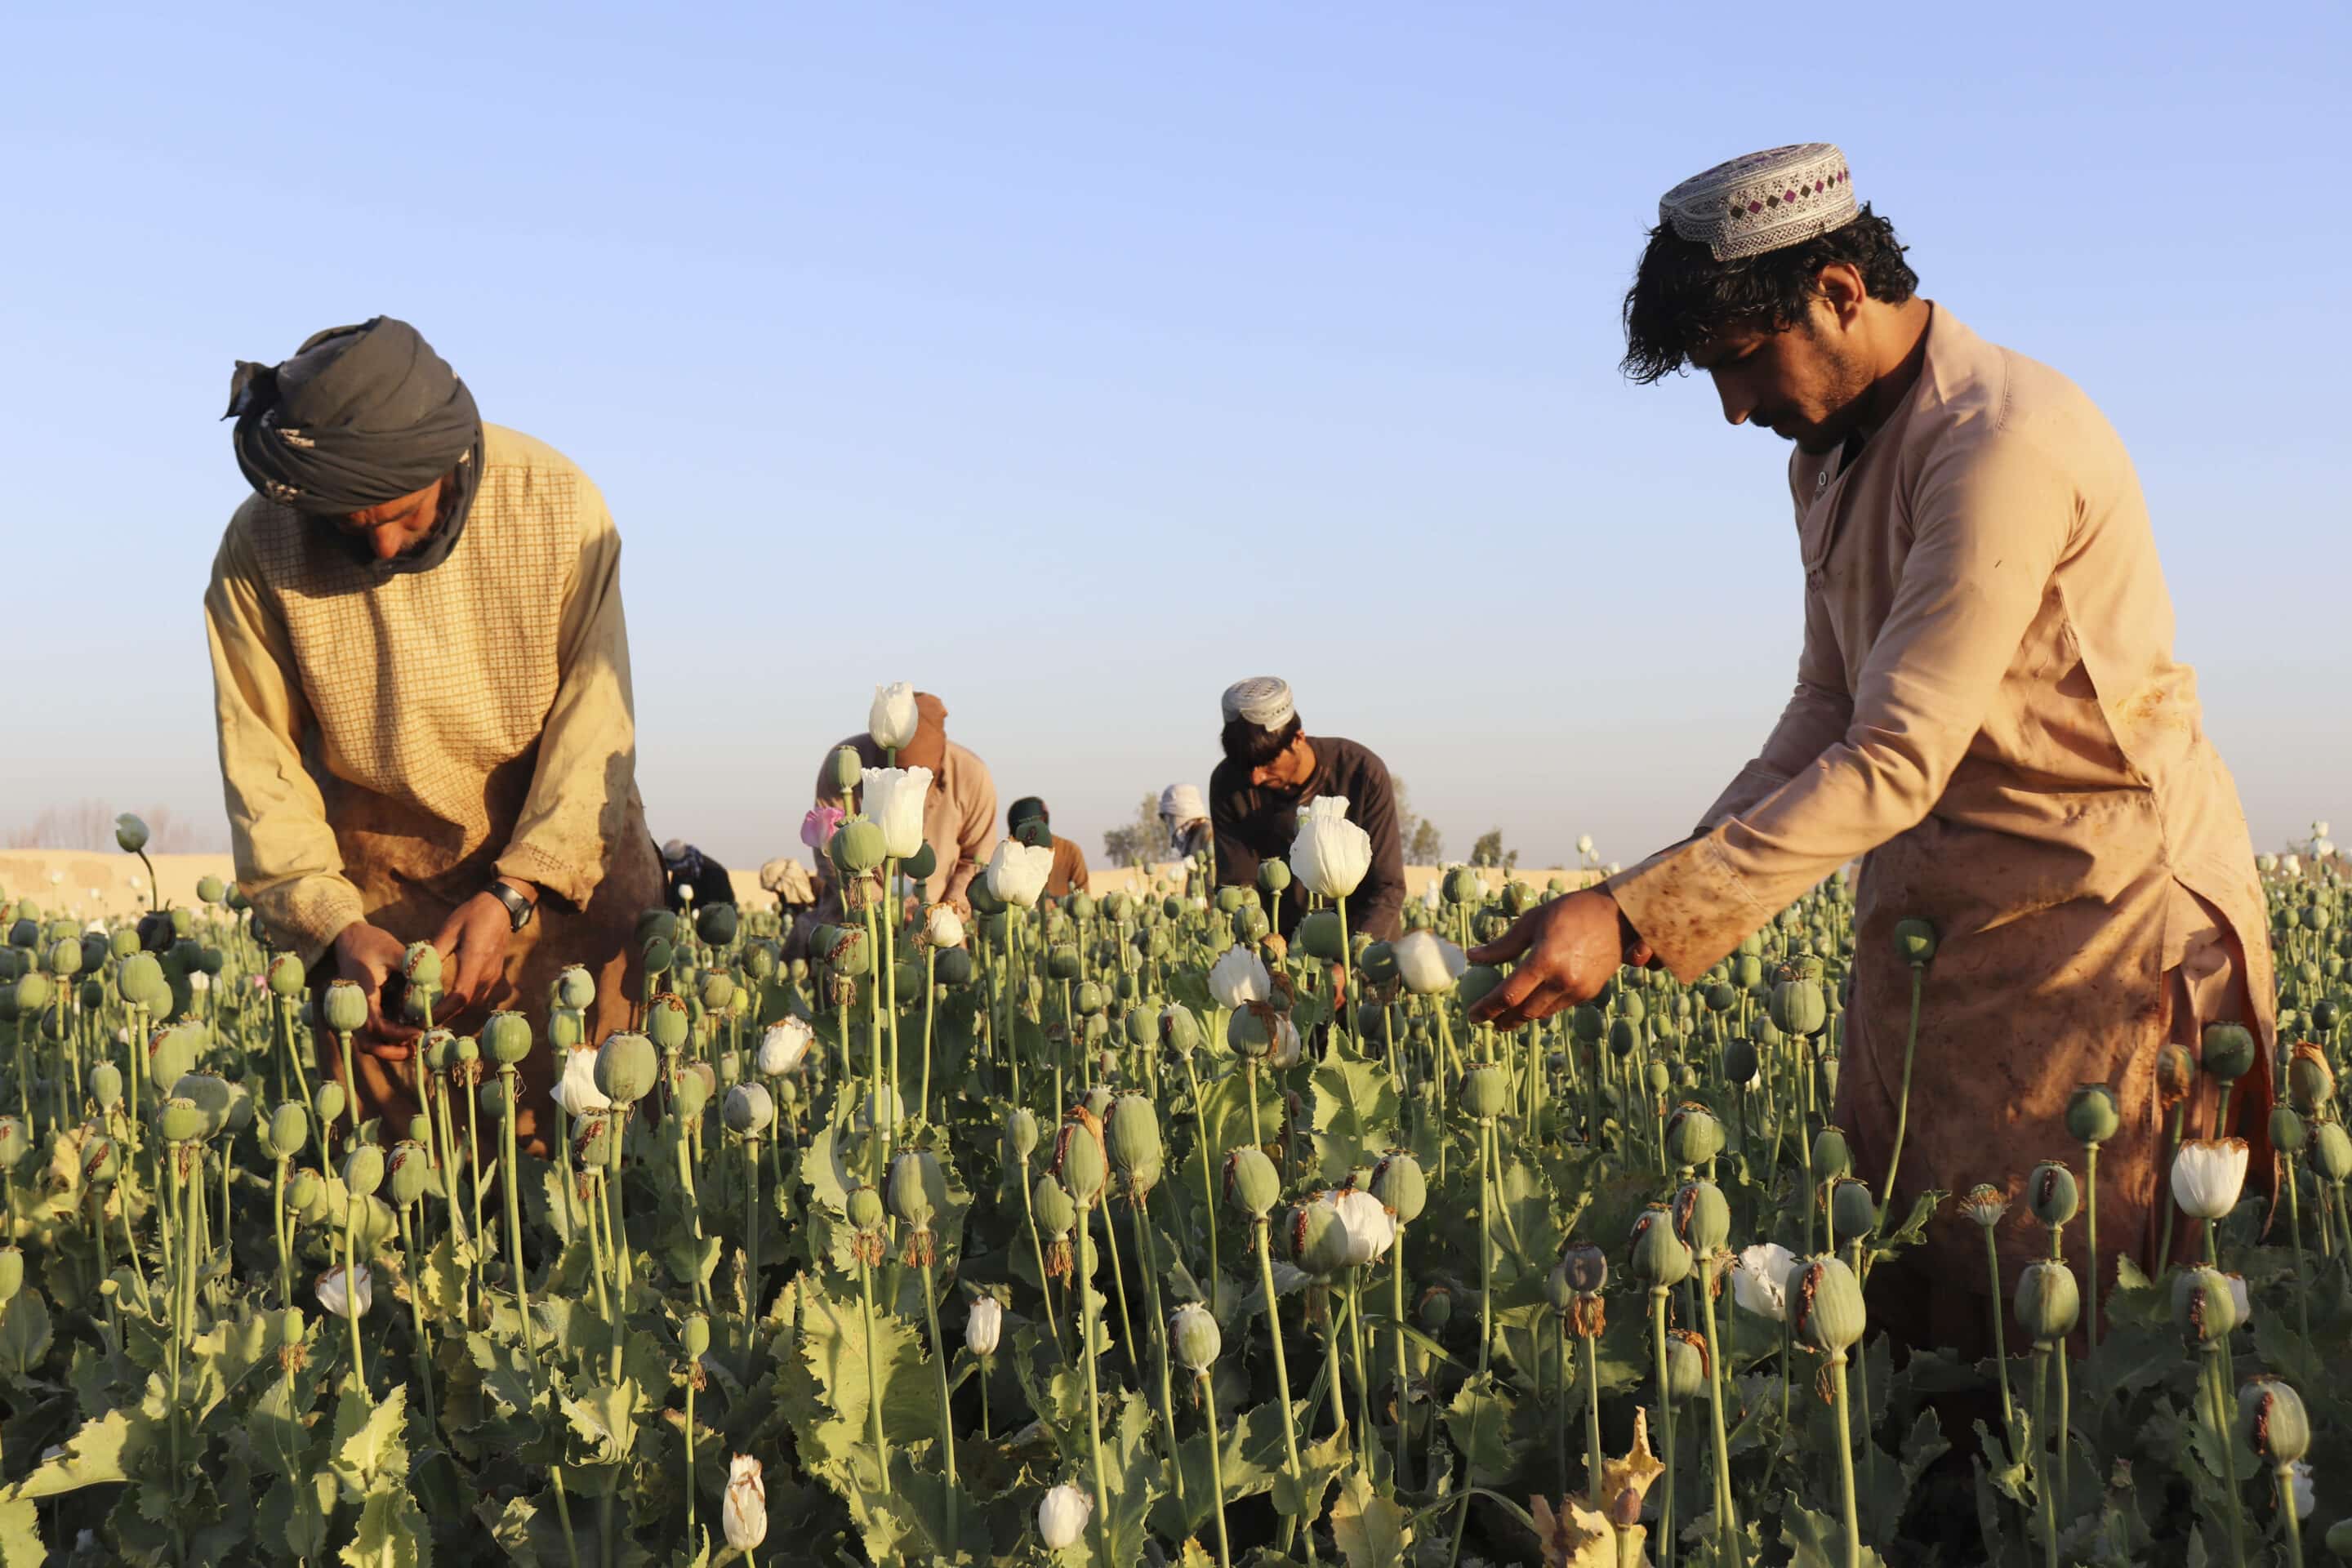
(1072, 364)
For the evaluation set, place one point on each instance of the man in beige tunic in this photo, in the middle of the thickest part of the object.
(1987, 713)
(959, 813)
(421, 684)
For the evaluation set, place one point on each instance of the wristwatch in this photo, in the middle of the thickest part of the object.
(518, 908)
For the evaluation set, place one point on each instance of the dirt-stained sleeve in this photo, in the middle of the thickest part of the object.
(585, 775)
(1992, 517)
(287, 860)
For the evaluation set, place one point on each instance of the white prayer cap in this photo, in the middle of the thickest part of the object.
(1764, 201)
(1262, 699)
(674, 851)
(1183, 803)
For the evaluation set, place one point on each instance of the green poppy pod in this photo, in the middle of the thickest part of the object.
(692, 1088)
(1434, 1309)
(915, 1186)
(1377, 964)
(1686, 1376)
(1914, 942)
(1798, 1007)
(328, 1102)
(1748, 972)
(180, 1121)
(761, 960)
(1273, 876)
(1560, 1288)
(363, 1170)
(1476, 981)
(1089, 1000)
(1251, 925)
(2092, 1113)
(1140, 1027)
(1096, 1030)
(2227, 1051)
(1318, 1242)
(1462, 886)
(1587, 1267)
(1321, 935)
(374, 1225)
(954, 967)
(1056, 1211)
(64, 960)
(101, 1160)
(1485, 1091)
(694, 1336)
(592, 1139)
(2317, 917)
(1825, 1305)
(123, 943)
(1180, 1031)
(667, 1022)
(919, 866)
(212, 1096)
(2331, 1148)
(1721, 996)
(1702, 1218)
(747, 1109)
(1740, 1062)
(210, 889)
(129, 834)
(1625, 1036)
(422, 964)
(2287, 1134)
(2047, 1301)
(1252, 1184)
(1657, 1256)
(289, 1130)
(846, 951)
(14, 1142)
(985, 903)
(345, 1007)
(857, 847)
(420, 1130)
(408, 1174)
(715, 924)
(1194, 1337)
(1399, 1181)
(1851, 1209)
(717, 990)
(2310, 1082)
(1250, 1032)
(626, 1067)
(2204, 1308)
(172, 1052)
(1657, 1077)
(1063, 963)
(1587, 1023)
(106, 1086)
(2271, 1419)
(506, 1036)
(1020, 1133)
(1080, 1162)
(286, 976)
(1832, 1157)
(1132, 1130)
(2053, 1194)
(305, 1195)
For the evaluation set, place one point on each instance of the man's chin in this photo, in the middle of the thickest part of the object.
(1817, 443)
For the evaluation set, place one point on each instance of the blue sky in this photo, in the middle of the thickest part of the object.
(1072, 361)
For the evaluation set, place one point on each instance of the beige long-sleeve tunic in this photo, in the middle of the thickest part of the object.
(1989, 712)
(387, 743)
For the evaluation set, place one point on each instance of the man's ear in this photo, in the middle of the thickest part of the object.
(1840, 287)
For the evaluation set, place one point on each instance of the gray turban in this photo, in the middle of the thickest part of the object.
(1262, 699)
(359, 416)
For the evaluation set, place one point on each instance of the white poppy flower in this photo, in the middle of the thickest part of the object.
(1427, 962)
(2208, 1174)
(576, 1091)
(1062, 1516)
(331, 1297)
(891, 721)
(782, 1046)
(1331, 854)
(894, 800)
(1017, 873)
(1761, 1280)
(943, 927)
(1239, 978)
(982, 1330)
(743, 1515)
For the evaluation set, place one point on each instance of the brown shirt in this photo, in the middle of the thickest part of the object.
(1254, 824)
(1069, 873)
(1989, 712)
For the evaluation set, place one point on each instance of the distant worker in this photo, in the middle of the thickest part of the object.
(959, 815)
(421, 681)
(1271, 770)
(691, 879)
(1028, 820)
(1184, 814)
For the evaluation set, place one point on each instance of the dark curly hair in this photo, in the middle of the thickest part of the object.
(1682, 297)
(1246, 745)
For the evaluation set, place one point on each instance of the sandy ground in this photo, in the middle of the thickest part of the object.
(89, 884)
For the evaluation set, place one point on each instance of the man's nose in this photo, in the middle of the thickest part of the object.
(386, 541)
(1737, 406)
(1259, 776)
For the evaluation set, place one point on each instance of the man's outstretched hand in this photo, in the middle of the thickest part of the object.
(367, 956)
(1565, 951)
(472, 943)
